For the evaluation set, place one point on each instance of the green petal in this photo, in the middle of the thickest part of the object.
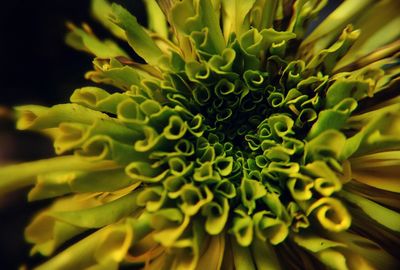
(97, 99)
(152, 198)
(216, 213)
(242, 229)
(101, 10)
(263, 13)
(236, 16)
(326, 182)
(381, 214)
(114, 73)
(315, 243)
(380, 132)
(241, 256)
(251, 190)
(102, 215)
(324, 250)
(331, 214)
(103, 147)
(370, 252)
(264, 255)
(212, 257)
(47, 233)
(22, 175)
(332, 25)
(85, 40)
(326, 146)
(194, 198)
(197, 18)
(156, 18)
(378, 170)
(268, 227)
(169, 224)
(376, 31)
(90, 251)
(139, 40)
(38, 117)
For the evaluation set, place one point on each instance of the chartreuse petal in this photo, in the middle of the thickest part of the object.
(264, 255)
(52, 184)
(189, 249)
(156, 18)
(106, 246)
(269, 228)
(100, 181)
(315, 243)
(175, 129)
(376, 32)
(193, 198)
(38, 117)
(22, 175)
(272, 200)
(79, 255)
(101, 215)
(298, 217)
(241, 256)
(385, 216)
(271, 36)
(242, 228)
(198, 17)
(47, 233)
(345, 88)
(263, 13)
(137, 37)
(327, 58)
(236, 16)
(323, 249)
(102, 147)
(303, 12)
(326, 182)
(326, 31)
(85, 40)
(330, 213)
(300, 187)
(72, 135)
(152, 198)
(225, 188)
(101, 10)
(378, 170)
(141, 227)
(169, 224)
(362, 251)
(143, 171)
(114, 73)
(381, 132)
(97, 99)
(328, 143)
(213, 255)
(251, 190)
(216, 213)
(223, 63)
(205, 173)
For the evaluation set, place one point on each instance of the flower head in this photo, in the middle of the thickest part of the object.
(242, 142)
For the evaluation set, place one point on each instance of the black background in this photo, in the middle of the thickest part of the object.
(36, 67)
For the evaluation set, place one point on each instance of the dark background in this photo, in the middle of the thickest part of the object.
(36, 67)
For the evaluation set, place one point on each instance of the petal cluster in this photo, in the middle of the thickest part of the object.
(240, 142)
